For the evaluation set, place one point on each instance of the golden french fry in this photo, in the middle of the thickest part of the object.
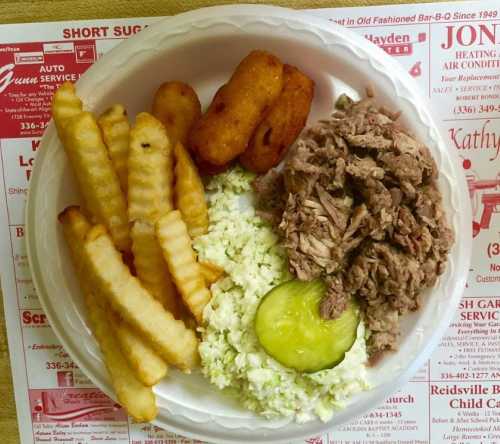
(188, 318)
(116, 133)
(189, 193)
(177, 106)
(151, 268)
(208, 169)
(150, 368)
(150, 170)
(176, 246)
(96, 176)
(147, 366)
(65, 104)
(137, 398)
(170, 338)
(75, 227)
(134, 396)
(210, 272)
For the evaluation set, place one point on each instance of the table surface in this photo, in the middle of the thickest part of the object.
(56, 10)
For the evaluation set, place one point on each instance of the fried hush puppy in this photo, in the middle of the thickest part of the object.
(238, 107)
(282, 124)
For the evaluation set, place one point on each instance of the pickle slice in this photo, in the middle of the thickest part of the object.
(290, 329)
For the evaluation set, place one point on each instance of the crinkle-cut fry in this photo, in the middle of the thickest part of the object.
(150, 170)
(115, 130)
(170, 338)
(65, 104)
(152, 368)
(138, 399)
(189, 193)
(188, 318)
(96, 177)
(210, 272)
(147, 366)
(75, 228)
(176, 105)
(176, 246)
(151, 268)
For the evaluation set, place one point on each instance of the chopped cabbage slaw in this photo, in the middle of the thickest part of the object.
(232, 359)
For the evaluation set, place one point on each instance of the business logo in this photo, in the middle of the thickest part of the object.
(71, 404)
(58, 48)
(6, 76)
(28, 58)
(490, 201)
(85, 53)
(472, 35)
(396, 44)
(65, 379)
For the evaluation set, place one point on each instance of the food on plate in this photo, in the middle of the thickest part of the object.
(150, 170)
(256, 116)
(177, 106)
(96, 176)
(250, 252)
(289, 327)
(282, 124)
(151, 267)
(115, 130)
(208, 169)
(295, 280)
(132, 394)
(150, 196)
(357, 204)
(223, 132)
(145, 332)
(111, 277)
(65, 105)
(189, 193)
(175, 243)
(210, 272)
(137, 398)
(75, 228)
(147, 366)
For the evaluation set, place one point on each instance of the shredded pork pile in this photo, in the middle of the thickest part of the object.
(357, 204)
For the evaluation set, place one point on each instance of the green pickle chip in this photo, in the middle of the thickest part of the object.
(290, 329)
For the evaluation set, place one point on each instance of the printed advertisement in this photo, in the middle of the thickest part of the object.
(452, 50)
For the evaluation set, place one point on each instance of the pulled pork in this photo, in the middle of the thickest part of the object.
(357, 204)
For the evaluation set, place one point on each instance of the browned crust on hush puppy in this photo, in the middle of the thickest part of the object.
(238, 107)
(282, 124)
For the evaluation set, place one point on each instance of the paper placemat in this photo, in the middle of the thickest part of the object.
(451, 49)
(62, 10)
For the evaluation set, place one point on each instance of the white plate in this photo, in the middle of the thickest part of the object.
(202, 48)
